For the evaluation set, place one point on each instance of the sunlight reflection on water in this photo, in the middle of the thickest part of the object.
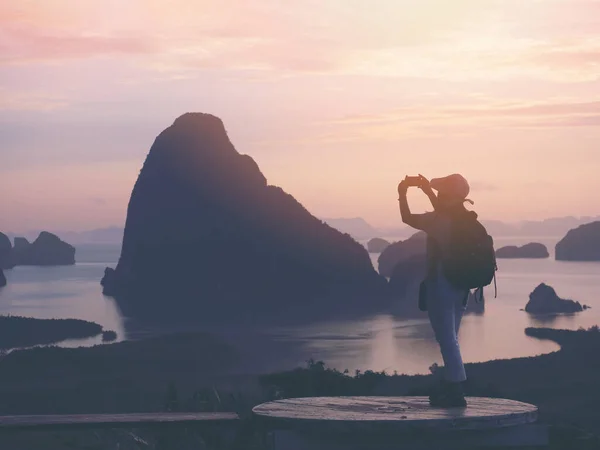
(378, 343)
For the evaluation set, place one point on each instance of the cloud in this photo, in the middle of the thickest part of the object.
(558, 19)
(429, 38)
(557, 61)
(30, 101)
(254, 54)
(569, 57)
(440, 120)
(495, 110)
(568, 109)
(570, 122)
(29, 46)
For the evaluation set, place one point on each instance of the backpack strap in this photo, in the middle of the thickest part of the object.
(495, 287)
(480, 291)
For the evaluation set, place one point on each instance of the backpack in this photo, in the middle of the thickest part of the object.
(470, 262)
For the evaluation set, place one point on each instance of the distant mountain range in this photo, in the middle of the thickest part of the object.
(556, 226)
(553, 227)
(358, 228)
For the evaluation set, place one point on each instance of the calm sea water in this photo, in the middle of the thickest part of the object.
(376, 343)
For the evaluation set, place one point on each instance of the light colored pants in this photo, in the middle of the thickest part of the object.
(445, 306)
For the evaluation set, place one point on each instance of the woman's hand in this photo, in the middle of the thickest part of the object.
(402, 187)
(424, 184)
(426, 188)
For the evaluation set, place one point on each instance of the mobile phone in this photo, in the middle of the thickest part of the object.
(413, 181)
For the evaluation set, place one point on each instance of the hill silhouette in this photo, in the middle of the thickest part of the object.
(47, 250)
(580, 244)
(6, 260)
(531, 250)
(401, 251)
(207, 238)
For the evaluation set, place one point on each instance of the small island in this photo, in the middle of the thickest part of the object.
(544, 300)
(47, 250)
(401, 251)
(580, 244)
(109, 336)
(18, 332)
(532, 250)
(377, 245)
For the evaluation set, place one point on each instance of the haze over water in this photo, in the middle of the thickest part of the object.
(376, 343)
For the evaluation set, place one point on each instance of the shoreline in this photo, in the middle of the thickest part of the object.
(18, 332)
(159, 350)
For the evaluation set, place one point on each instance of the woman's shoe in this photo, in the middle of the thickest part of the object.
(450, 395)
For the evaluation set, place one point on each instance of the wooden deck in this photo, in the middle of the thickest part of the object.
(398, 423)
(339, 423)
(81, 421)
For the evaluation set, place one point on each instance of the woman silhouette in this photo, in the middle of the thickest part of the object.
(445, 304)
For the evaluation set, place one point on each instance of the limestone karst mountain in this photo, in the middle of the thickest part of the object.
(208, 239)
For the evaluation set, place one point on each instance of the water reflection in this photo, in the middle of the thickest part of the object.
(386, 343)
(556, 320)
(378, 343)
(62, 292)
(382, 348)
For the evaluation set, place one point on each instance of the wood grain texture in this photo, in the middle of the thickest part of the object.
(39, 422)
(392, 414)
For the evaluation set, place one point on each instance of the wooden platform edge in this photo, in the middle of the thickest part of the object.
(87, 421)
(299, 414)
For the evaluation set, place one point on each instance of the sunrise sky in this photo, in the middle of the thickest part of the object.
(336, 100)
